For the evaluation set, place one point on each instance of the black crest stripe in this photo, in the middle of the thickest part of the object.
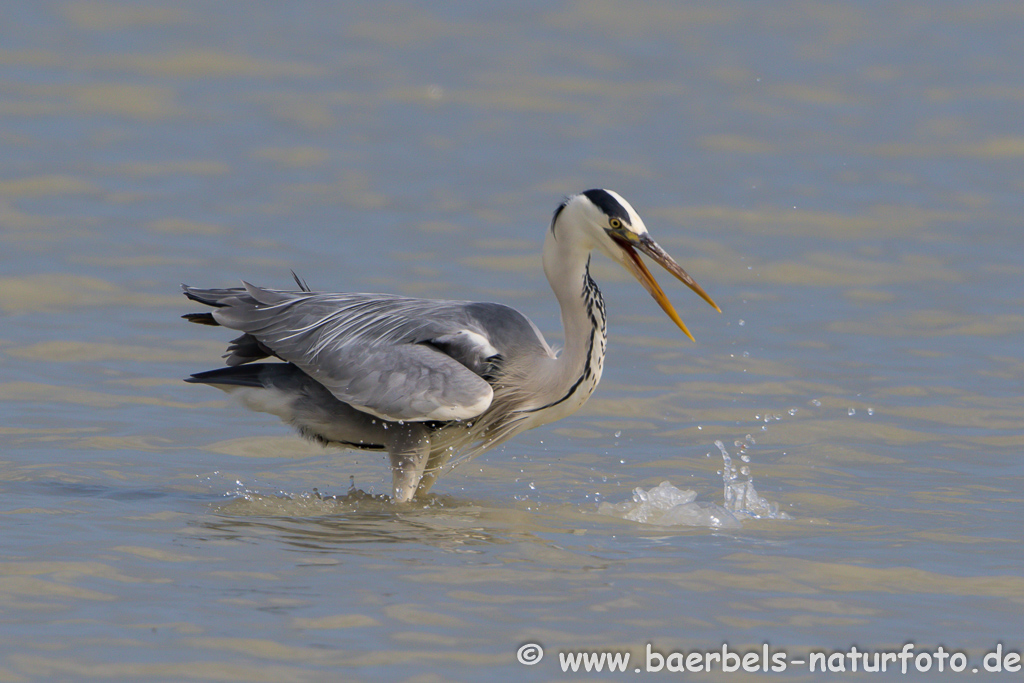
(558, 211)
(609, 204)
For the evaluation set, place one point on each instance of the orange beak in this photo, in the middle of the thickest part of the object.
(636, 266)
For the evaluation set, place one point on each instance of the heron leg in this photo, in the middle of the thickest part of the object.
(432, 471)
(409, 451)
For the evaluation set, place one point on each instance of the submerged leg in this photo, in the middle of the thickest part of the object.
(409, 449)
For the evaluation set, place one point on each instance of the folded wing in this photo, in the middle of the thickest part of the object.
(393, 357)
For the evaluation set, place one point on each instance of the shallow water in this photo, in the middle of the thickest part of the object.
(844, 179)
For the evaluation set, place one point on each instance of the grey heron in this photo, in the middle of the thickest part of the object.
(433, 382)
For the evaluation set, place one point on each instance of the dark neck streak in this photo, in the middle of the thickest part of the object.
(596, 343)
(599, 333)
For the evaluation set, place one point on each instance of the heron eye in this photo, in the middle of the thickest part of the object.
(615, 223)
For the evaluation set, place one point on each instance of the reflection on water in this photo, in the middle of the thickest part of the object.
(311, 522)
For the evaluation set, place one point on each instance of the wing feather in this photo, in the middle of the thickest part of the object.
(394, 357)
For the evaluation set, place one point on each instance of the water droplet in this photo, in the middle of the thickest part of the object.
(532, 487)
(871, 411)
(618, 433)
(851, 411)
(792, 412)
(741, 323)
(816, 403)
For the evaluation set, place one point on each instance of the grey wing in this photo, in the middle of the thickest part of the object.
(393, 357)
(404, 382)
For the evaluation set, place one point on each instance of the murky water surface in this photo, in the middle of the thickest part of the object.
(845, 179)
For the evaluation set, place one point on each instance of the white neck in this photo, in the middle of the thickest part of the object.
(578, 368)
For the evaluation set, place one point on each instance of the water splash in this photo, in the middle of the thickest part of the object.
(666, 505)
(740, 496)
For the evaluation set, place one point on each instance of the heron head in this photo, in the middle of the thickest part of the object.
(617, 230)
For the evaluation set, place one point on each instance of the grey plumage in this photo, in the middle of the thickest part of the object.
(429, 380)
